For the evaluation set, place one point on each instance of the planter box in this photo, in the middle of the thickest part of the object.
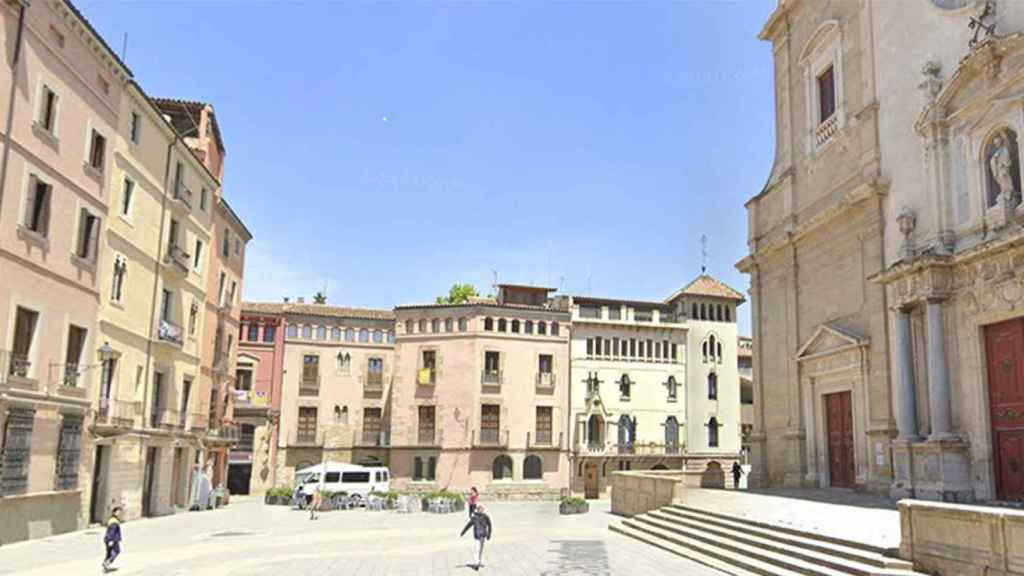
(573, 508)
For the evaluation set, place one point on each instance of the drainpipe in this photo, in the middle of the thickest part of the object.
(10, 102)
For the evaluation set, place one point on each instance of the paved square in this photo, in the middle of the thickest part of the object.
(250, 538)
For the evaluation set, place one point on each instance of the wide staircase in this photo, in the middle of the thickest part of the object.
(743, 547)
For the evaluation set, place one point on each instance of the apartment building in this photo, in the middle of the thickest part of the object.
(338, 364)
(54, 176)
(655, 384)
(745, 365)
(480, 396)
(257, 399)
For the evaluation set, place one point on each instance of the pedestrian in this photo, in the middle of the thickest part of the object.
(112, 538)
(314, 505)
(737, 471)
(474, 495)
(481, 524)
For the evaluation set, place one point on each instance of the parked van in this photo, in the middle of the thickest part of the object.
(352, 479)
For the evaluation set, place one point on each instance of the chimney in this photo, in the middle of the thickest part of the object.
(301, 300)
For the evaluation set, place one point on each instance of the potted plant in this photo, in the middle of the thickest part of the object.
(573, 505)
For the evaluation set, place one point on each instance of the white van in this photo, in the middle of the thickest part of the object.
(352, 479)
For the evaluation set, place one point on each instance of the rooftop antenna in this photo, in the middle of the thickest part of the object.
(124, 48)
(561, 283)
(703, 253)
(495, 272)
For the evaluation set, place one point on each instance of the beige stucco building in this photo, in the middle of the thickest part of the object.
(480, 396)
(654, 384)
(889, 273)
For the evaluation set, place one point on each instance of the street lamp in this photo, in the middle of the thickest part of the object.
(106, 352)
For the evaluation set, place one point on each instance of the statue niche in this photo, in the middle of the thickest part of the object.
(1002, 168)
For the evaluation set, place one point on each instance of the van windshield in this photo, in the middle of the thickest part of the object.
(355, 477)
(313, 478)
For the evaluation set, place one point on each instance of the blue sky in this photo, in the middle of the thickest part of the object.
(387, 150)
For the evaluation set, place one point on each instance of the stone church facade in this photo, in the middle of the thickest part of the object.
(887, 251)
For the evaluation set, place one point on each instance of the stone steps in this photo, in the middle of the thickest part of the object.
(750, 547)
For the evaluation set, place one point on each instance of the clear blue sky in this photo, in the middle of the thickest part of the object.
(387, 150)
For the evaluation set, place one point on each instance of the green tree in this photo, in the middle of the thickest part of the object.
(458, 294)
(319, 298)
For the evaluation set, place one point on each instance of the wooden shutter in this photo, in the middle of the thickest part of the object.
(30, 202)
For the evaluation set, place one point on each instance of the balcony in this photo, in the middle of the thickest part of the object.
(546, 380)
(826, 130)
(374, 381)
(372, 438)
(116, 414)
(176, 259)
(183, 198)
(309, 385)
(166, 419)
(307, 439)
(13, 366)
(226, 432)
(491, 377)
(624, 449)
(426, 377)
(490, 438)
(198, 422)
(543, 439)
(427, 437)
(170, 332)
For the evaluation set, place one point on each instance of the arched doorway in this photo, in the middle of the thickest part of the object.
(595, 432)
(671, 435)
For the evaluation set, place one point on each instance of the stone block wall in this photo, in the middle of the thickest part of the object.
(638, 492)
(956, 539)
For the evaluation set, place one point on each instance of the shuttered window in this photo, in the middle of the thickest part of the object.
(69, 453)
(16, 451)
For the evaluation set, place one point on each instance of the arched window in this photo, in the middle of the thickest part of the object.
(408, 326)
(321, 333)
(703, 312)
(712, 386)
(378, 336)
(502, 325)
(595, 432)
(449, 325)
(718, 352)
(515, 326)
(728, 314)
(713, 432)
(350, 335)
(502, 468)
(533, 468)
(417, 468)
(626, 433)
(542, 328)
(624, 385)
(671, 435)
(435, 325)
(344, 360)
(673, 388)
(293, 331)
(335, 333)
(431, 468)
(307, 331)
(528, 327)
(462, 324)
(344, 414)
(693, 311)
(554, 328)
(364, 335)
(704, 350)
(719, 313)
(489, 324)
(391, 337)
(421, 326)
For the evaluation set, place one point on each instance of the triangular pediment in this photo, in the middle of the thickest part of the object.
(829, 338)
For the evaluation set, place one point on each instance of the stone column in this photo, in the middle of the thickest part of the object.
(906, 395)
(938, 376)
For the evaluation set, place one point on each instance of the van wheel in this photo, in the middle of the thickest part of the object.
(356, 499)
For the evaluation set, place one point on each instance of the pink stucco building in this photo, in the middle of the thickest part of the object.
(257, 399)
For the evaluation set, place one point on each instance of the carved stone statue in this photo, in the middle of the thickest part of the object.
(1001, 164)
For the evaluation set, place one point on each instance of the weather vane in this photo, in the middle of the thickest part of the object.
(703, 253)
(978, 24)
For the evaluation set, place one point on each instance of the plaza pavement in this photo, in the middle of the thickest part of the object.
(249, 538)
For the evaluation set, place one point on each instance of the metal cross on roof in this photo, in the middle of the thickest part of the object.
(703, 253)
(978, 23)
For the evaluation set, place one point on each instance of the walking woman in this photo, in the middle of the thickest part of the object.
(112, 538)
(318, 497)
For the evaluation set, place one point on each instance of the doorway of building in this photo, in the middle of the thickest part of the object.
(178, 496)
(591, 483)
(839, 422)
(239, 476)
(149, 480)
(1004, 349)
(97, 500)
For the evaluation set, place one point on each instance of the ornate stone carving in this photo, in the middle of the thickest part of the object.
(907, 222)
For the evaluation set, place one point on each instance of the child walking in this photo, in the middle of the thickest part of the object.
(474, 497)
(112, 538)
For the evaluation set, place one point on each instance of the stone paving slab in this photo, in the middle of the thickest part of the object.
(839, 513)
(249, 538)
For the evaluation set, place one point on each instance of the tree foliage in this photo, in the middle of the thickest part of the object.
(458, 294)
(319, 298)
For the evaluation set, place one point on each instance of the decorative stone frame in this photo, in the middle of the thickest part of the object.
(823, 49)
(833, 360)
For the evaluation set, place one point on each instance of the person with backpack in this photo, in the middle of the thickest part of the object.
(481, 524)
(112, 539)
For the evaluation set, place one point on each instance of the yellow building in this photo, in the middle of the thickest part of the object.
(150, 417)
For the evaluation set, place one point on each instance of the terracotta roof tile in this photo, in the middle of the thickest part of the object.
(705, 285)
